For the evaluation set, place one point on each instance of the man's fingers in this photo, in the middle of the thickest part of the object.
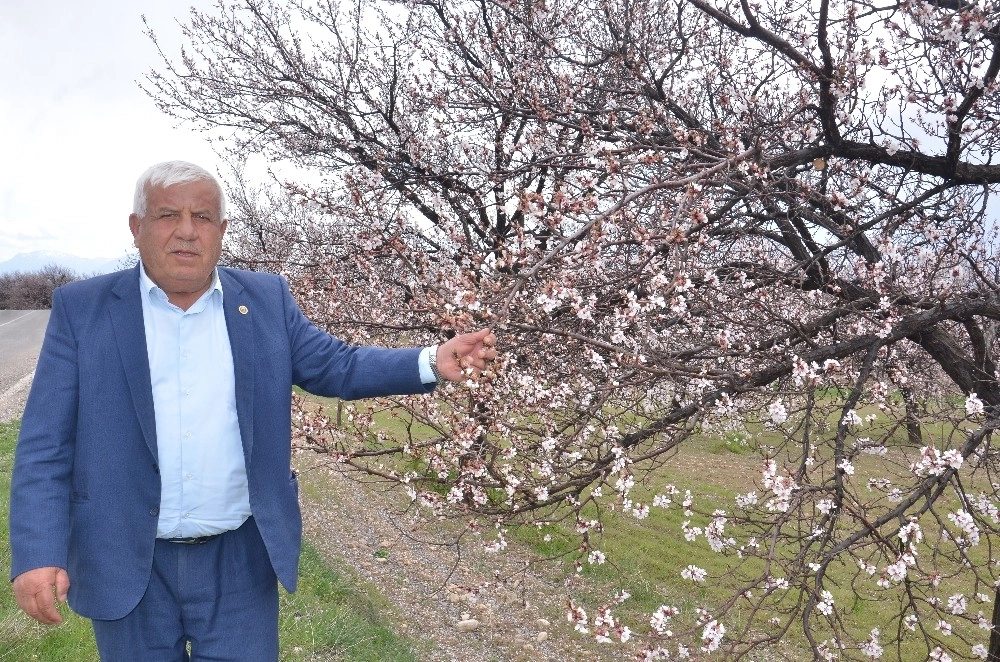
(36, 590)
(41, 607)
(47, 611)
(62, 585)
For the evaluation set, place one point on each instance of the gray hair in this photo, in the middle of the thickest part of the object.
(169, 173)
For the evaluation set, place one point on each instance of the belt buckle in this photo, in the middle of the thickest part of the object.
(196, 540)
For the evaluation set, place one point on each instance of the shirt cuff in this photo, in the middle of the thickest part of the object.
(424, 363)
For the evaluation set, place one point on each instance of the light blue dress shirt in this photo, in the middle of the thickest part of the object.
(202, 470)
(199, 450)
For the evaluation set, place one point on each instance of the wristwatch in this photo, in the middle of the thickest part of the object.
(432, 357)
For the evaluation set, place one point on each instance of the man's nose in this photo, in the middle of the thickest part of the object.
(186, 228)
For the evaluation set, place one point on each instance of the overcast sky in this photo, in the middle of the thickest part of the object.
(75, 130)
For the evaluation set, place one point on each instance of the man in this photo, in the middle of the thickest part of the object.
(152, 482)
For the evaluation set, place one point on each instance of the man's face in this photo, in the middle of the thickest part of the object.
(180, 238)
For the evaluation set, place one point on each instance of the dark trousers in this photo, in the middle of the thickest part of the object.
(219, 597)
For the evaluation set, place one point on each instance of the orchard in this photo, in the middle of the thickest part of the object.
(682, 218)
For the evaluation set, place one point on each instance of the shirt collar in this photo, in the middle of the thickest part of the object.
(147, 286)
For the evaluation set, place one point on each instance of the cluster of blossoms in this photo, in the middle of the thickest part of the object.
(933, 462)
(967, 523)
(804, 373)
(664, 499)
(973, 405)
(694, 573)
(660, 653)
(781, 486)
(825, 604)
(715, 530)
(578, 617)
(607, 628)
(870, 647)
(910, 534)
(711, 636)
(497, 545)
(957, 604)
(812, 374)
(777, 412)
(661, 619)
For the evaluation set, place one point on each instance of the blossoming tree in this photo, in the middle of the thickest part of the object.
(681, 217)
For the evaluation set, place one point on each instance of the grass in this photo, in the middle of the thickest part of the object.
(646, 557)
(335, 618)
(329, 618)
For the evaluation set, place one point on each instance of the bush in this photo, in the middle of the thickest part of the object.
(32, 290)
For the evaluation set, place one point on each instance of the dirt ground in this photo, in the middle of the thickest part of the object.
(437, 587)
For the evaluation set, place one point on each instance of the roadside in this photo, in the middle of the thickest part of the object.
(21, 333)
(438, 588)
(12, 398)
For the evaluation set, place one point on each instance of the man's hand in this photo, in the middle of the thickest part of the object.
(36, 591)
(469, 350)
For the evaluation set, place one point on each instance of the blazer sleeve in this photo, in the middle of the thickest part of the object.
(327, 366)
(43, 459)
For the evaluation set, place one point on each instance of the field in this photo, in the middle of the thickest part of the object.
(645, 559)
(333, 618)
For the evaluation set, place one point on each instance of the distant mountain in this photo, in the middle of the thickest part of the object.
(83, 266)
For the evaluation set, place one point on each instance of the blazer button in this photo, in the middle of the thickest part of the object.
(155, 512)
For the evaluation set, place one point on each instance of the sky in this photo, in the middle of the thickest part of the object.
(75, 129)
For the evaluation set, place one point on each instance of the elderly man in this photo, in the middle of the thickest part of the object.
(152, 481)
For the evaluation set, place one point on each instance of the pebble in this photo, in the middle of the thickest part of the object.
(542, 623)
(467, 625)
(541, 636)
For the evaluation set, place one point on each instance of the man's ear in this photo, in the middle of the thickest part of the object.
(133, 225)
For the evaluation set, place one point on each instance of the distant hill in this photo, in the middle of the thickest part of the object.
(83, 266)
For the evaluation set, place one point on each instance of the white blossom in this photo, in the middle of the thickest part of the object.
(825, 605)
(694, 573)
(871, 647)
(778, 412)
(973, 405)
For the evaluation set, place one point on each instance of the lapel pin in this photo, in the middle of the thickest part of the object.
(244, 310)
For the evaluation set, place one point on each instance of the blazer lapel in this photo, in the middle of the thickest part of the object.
(130, 336)
(239, 326)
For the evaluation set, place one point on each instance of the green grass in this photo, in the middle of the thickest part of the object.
(332, 618)
(329, 617)
(645, 557)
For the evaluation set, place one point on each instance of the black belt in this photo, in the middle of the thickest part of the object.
(198, 540)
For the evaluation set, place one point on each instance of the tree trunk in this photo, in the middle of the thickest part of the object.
(912, 420)
(994, 654)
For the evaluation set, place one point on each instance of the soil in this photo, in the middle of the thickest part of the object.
(438, 586)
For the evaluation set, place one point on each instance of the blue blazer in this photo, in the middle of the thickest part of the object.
(85, 490)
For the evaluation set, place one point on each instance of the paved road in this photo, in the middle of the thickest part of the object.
(21, 333)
